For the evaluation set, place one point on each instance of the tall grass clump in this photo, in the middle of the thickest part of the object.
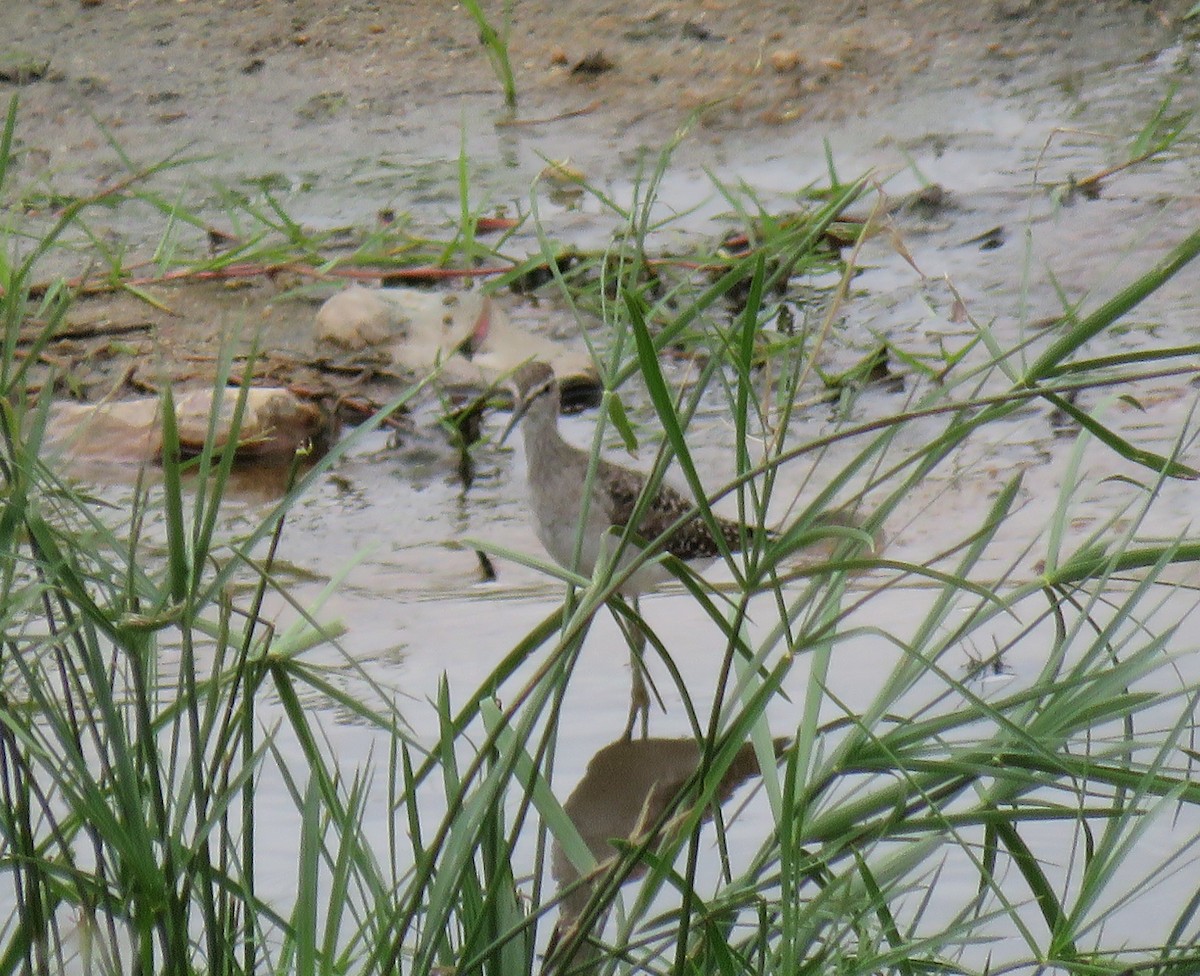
(135, 662)
(1040, 795)
(131, 734)
(926, 822)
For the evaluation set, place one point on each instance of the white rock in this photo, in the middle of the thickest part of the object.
(275, 422)
(468, 333)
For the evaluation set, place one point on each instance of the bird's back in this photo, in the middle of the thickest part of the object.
(692, 540)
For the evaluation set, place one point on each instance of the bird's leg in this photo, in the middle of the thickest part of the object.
(642, 687)
(639, 693)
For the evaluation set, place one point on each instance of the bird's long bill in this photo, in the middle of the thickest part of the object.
(519, 408)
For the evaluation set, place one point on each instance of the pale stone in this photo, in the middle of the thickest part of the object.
(467, 334)
(275, 422)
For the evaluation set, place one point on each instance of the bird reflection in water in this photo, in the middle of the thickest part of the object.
(629, 798)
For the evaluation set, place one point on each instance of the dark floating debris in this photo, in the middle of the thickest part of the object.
(989, 240)
(596, 63)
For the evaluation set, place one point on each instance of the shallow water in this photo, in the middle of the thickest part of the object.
(417, 611)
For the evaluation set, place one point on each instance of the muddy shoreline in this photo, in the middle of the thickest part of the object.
(312, 90)
(347, 112)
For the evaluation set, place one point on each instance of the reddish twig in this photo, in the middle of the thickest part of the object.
(248, 269)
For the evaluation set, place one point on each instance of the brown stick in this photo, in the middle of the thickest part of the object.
(83, 330)
(586, 110)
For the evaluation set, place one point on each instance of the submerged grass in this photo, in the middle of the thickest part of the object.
(146, 701)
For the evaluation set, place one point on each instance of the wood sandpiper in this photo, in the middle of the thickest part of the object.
(558, 480)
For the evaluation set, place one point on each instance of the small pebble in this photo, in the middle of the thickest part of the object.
(562, 172)
(785, 60)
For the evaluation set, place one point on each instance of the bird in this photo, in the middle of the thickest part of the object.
(557, 475)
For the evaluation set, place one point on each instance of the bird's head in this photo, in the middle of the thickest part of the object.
(531, 383)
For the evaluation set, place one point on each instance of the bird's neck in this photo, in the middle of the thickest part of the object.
(540, 428)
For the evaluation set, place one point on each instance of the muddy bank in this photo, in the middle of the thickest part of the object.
(343, 112)
(325, 95)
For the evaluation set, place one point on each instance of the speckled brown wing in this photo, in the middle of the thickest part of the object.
(692, 540)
